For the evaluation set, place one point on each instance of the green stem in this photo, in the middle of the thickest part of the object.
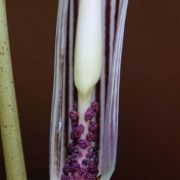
(9, 122)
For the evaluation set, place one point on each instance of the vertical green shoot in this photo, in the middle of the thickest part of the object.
(9, 122)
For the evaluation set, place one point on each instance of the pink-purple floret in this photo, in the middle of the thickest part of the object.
(87, 167)
(93, 126)
(74, 118)
(77, 132)
(91, 137)
(83, 143)
(95, 106)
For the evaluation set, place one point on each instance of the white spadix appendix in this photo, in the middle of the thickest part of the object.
(88, 46)
(85, 106)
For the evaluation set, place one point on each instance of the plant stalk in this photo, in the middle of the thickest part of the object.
(9, 121)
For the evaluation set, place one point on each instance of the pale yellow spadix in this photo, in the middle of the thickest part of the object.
(88, 46)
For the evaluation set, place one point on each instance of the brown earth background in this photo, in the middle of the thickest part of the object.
(149, 131)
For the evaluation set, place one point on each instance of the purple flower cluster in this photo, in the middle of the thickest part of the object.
(71, 166)
(89, 114)
(77, 132)
(73, 151)
(84, 172)
(91, 111)
(83, 143)
(93, 126)
(91, 137)
(93, 155)
(90, 171)
(82, 155)
(74, 116)
(95, 106)
(89, 168)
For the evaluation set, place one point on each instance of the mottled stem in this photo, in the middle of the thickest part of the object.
(9, 123)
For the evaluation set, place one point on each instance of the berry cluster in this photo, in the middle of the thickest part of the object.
(82, 154)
